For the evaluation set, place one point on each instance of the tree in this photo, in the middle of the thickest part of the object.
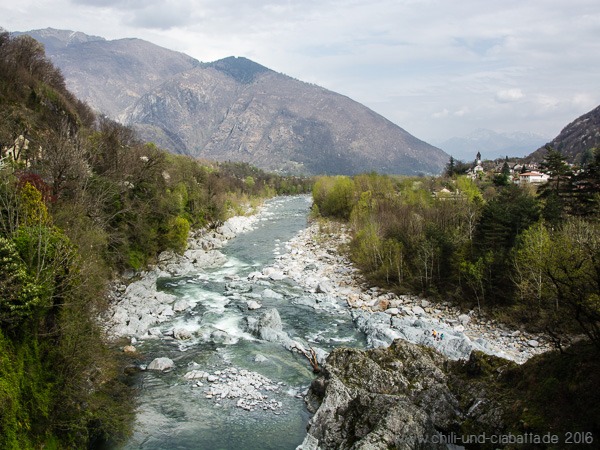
(19, 294)
(588, 187)
(530, 261)
(558, 192)
(573, 272)
(450, 167)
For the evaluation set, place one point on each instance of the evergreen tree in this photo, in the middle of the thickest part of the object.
(588, 187)
(558, 192)
(450, 167)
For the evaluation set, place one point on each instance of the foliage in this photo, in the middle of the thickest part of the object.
(81, 198)
(19, 294)
(497, 254)
(333, 196)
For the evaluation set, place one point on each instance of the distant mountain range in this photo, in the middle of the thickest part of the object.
(233, 109)
(492, 145)
(576, 139)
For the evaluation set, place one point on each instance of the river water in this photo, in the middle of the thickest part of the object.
(175, 413)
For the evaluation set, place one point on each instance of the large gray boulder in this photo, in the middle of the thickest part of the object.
(161, 364)
(381, 398)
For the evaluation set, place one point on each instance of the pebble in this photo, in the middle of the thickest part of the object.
(249, 388)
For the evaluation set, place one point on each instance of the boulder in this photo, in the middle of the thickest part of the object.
(268, 327)
(464, 319)
(161, 364)
(221, 337)
(181, 305)
(260, 358)
(418, 311)
(269, 293)
(324, 287)
(368, 399)
(182, 334)
(273, 273)
(253, 304)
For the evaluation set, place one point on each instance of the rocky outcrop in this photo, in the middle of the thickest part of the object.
(404, 396)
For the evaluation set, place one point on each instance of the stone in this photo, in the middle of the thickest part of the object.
(222, 337)
(273, 273)
(182, 334)
(269, 293)
(161, 364)
(195, 375)
(252, 305)
(464, 319)
(129, 349)
(181, 305)
(392, 311)
(533, 343)
(324, 287)
(418, 311)
(260, 358)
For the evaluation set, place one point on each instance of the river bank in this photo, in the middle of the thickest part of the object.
(313, 260)
(136, 305)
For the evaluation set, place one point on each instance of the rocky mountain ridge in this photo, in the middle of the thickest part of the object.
(234, 109)
(576, 140)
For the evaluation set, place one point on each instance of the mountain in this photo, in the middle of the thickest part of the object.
(110, 75)
(234, 109)
(576, 139)
(491, 144)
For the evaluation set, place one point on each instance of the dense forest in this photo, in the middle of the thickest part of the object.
(524, 255)
(82, 199)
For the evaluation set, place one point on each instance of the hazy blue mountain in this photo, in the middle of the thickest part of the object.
(492, 144)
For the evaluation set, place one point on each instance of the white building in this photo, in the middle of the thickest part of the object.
(533, 177)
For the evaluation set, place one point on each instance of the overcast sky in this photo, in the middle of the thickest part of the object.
(437, 68)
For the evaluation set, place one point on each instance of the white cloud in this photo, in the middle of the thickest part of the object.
(441, 114)
(509, 95)
(511, 65)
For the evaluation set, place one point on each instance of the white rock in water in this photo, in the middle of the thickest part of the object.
(182, 334)
(181, 305)
(260, 358)
(273, 274)
(161, 364)
(269, 293)
(195, 375)
(252, 304)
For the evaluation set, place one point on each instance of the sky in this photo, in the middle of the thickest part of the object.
(437, 68)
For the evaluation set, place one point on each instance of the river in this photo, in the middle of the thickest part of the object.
(176, 413)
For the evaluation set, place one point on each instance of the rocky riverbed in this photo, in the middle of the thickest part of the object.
(313, 260)
(209, 317)
(136, 304)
